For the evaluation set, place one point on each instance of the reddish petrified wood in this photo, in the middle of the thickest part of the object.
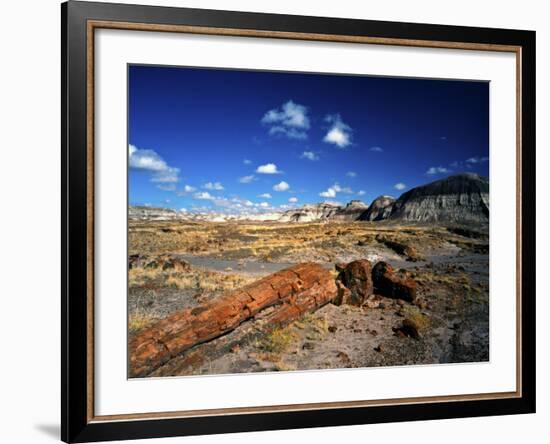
(296, 291)
(388, 283)
(356, 283)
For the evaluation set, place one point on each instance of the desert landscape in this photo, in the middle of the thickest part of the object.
(398, 281)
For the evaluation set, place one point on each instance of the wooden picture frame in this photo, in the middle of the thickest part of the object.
(79, 22)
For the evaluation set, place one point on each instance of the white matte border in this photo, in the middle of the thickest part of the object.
(115, 394)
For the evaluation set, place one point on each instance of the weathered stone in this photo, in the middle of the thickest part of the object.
(400, 248)
(460, 199)
(410, 328)
(379, 209)
(372, 302)
(356, 277)
(340, 267)
(292, 292)
(387, 283)
(343, 294)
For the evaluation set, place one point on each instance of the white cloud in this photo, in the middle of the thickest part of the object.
(400, 186)
(183, 210)
(168, 176)
(268, 168)
(213, 186)
(376, 149)
(247, 162)
(247, 179)
(168, 187)
(339, 189)
(293, 200)
(437, 170)
(248, 203)
(265, 196)
(281, 186)
(186, 190)
(145, 160)
(263, 205)
(328, 193)
(149, 160)
(339, 132)
(477, 159)
(361, 193)
(351, 174)
(334, 189)
(203, 195)
(310, 155)
(290, 120)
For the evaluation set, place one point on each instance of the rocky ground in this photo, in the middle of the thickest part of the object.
(176, 266)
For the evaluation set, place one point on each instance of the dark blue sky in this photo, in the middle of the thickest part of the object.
(219, 139)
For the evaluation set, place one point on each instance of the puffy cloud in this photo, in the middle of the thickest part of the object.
(186, 190)
(437, 170)
(293, 200)
(268, 168)
(361, 193)
(203, 195)
(400, 186)
(351, 174)
(290, 120)
(339, 133)
(334, 189)
(376, 149)
(281, 186)
(145, 160)
(213, 186)
(149, 160)
(265, 196)
(310, 155)
(263, 205)
(247, 179)
(328, 193)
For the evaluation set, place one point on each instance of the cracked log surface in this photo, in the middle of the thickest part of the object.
(294, 291)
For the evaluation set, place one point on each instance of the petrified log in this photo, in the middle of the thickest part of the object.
(400, 248)
(355, 277)
(388, 283)
(296, 290)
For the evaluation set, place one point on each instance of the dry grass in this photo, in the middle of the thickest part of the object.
(274, 241)
(279, 339)
(422, 321)
(139, 321)
(196, 279)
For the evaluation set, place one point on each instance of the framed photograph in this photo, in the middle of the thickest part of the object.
(276, 221)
